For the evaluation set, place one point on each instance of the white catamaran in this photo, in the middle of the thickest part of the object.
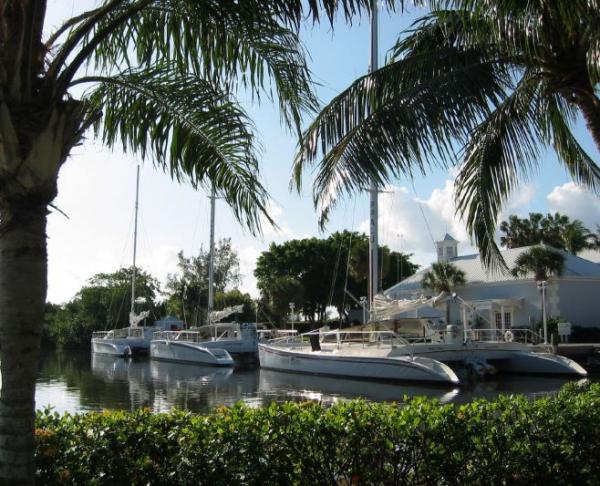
(214, 343)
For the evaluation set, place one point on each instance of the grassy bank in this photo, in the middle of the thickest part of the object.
(511, 440)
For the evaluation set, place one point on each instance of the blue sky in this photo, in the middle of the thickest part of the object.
(96, 186)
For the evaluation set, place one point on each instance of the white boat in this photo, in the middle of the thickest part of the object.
(187, 347)
(233, 338)
(485, 350)
(357, 354)
(110, 342)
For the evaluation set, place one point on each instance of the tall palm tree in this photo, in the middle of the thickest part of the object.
(540, 261)
(159, 79)
(487, 84)
(443, 277)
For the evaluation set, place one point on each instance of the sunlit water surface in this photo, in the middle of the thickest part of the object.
(77, 381)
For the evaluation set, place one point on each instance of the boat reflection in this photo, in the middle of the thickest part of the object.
(332, 389)
(194, 387)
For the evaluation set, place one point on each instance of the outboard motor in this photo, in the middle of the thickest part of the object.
(453, 336)
(248, 332)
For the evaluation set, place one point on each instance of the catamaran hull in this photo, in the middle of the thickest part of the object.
(402, 368)
(187, 352)
(232, 346)
(541, 363)
(111, 347)
(510, 357)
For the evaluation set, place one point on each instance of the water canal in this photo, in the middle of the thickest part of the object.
(76, 381)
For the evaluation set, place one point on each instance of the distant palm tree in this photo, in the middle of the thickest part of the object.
(160, 80)
(556, 230)
(443, 277)
(542, 262)
(487, 85)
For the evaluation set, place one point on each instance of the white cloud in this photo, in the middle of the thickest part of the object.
(282, 231)
(575, 202)
(248, 256)
(412, 224)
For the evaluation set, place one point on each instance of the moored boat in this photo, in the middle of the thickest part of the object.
(357, 354)
(184, 347)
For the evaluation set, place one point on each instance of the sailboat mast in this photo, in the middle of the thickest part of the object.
(211, 255)
(135, 229)
(373, 190)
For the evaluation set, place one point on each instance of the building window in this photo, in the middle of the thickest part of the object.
(498, 320)
(450, 252)
(508, 320)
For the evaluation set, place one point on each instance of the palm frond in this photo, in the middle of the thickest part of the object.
(580, 165)
(239, 44)
(190, 127)
(398, 120)
(502, 152)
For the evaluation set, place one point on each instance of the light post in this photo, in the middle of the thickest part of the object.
(292, 306)
(363, 302)
(542, 285)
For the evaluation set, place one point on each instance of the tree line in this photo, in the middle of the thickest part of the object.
(313, 273)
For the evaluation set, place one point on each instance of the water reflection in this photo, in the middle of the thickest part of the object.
(330, 390)
(75, 381)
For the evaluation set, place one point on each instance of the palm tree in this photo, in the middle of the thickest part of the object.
(443, 277)
(556, 230)
(159, 79)
(489, 84)
(541, 261)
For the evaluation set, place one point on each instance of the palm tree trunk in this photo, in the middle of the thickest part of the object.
(590, 108)
(23, 282)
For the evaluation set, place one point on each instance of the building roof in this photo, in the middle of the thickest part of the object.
(475, 272)
(447, 237)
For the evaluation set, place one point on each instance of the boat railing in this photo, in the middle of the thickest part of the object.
(189, 336)
(136, 332)
(340, 338)
(520, 335)
(102, 334)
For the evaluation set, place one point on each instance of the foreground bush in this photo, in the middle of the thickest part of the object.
(512, 440)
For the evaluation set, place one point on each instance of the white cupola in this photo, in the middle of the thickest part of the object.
(447, 249)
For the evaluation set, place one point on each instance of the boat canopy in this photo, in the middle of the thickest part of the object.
(385, 308)
(216, 316)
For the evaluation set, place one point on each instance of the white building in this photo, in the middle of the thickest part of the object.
(505, 301)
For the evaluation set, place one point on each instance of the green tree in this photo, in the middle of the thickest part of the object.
(540, 261)
(443, 277)
(278, 295)
(102, 304)
(556, 230)
(187, 290)
(487, 85)
(325, 269)
(236, 297)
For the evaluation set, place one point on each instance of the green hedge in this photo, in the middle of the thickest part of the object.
(512, 440)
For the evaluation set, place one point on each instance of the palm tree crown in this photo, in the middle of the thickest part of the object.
(541, 261)
(443, 277)
(556, 230)
(488, 84)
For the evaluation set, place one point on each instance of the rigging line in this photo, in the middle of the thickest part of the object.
(337, 263)
(112, 294)
(423, 214)
(348, 261)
